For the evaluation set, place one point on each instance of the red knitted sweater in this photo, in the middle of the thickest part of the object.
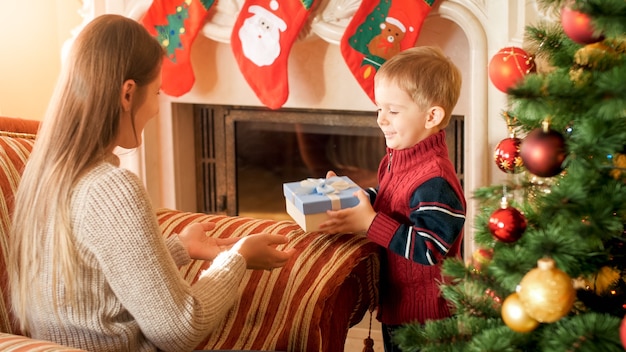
(420, 216)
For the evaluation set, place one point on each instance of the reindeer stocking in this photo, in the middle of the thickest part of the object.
(378, 30)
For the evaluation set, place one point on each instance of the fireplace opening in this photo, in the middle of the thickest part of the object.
(271, 153)
(244, 155)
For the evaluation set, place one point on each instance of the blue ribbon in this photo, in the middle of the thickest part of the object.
(325, 186)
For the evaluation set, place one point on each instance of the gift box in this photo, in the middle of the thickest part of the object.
(308, 200)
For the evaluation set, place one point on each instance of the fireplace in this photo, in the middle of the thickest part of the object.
(320, 81)
(244, 155)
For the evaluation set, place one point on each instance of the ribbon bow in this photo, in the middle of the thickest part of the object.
(326, 186)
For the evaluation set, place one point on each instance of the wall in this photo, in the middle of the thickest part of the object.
(33, 33)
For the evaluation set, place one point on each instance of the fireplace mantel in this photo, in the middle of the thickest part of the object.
(469, 31)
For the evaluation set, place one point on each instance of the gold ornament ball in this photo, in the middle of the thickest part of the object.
(546, 292)
(597, 56)
(515, 317)
(619, 164)
(600, 282)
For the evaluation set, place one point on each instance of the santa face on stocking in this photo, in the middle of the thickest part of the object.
(261, 43)
(260, 36)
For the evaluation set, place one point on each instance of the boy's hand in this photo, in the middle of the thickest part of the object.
(356, 219)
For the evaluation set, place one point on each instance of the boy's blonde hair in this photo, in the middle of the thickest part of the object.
(427, 75)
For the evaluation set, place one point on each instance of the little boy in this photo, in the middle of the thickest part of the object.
(417, 212)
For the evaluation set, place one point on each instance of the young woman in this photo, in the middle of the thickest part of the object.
(88, 265)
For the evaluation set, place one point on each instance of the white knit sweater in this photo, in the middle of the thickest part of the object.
(133, 298)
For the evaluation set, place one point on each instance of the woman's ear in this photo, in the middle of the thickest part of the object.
(435, 115)
(128, 90)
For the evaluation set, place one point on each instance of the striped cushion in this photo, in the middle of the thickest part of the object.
(309, 304)
(14, 150)
(16, 343)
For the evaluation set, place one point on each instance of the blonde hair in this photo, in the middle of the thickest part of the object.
(427, 75)
(80, 127)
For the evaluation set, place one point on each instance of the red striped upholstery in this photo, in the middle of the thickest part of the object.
(18, 125)
(17, 343)
(308, 305)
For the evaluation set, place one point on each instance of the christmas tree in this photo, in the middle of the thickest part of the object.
(549, 273)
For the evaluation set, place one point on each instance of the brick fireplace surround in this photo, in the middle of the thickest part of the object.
(469, 32)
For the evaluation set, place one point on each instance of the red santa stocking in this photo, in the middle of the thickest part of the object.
(176, 23)
(261, 41)
(378, 30)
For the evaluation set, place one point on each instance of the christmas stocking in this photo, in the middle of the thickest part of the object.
(378, 30)
(261, 41)
(176, 23)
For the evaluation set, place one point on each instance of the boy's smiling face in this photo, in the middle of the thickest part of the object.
(402, 121)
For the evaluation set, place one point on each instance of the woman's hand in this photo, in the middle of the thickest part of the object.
(260, 251)
(200, 246)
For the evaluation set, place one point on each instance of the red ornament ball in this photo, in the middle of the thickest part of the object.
(507, 224)
(543, 152)
(507, 155)
(577, 25)
(508, 66)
